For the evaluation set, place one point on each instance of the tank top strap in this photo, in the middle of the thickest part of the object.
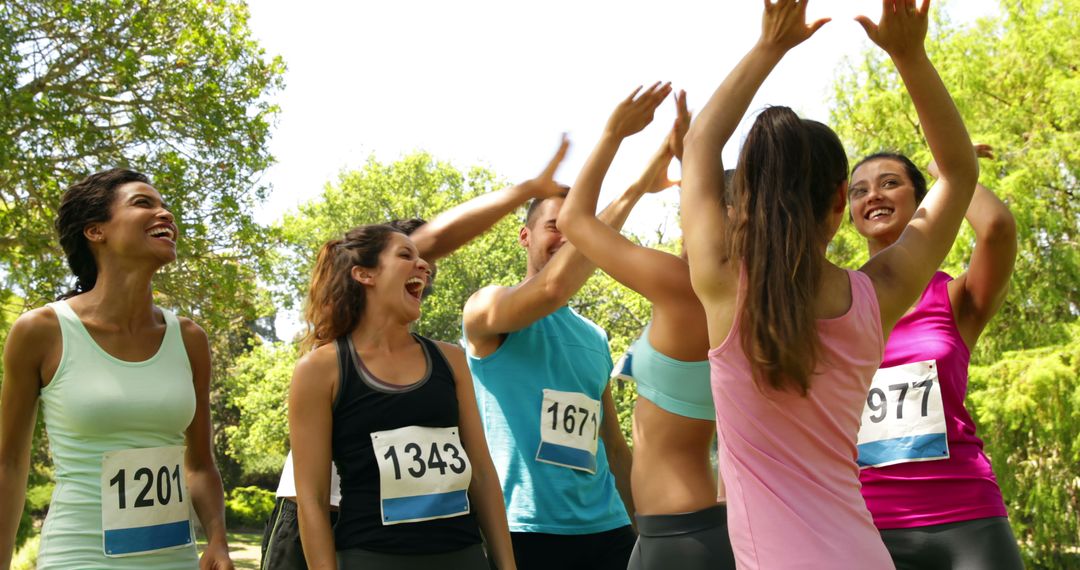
(440, 366)
(70, 325)
(936, 295)
(345, 368)
(864, 305)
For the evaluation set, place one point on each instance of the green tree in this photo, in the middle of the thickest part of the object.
(257, 387)
(1015, 81)
(177, 89)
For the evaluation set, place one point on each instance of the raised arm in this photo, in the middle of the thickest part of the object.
(311, 394)
(783, 26)
(900, 272)
(494, 311)
(982, 288)
(668, 276)
(457, 226)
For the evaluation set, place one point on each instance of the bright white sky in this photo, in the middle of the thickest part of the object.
(494, 82)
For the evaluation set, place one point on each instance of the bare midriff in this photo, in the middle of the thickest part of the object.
(672, 471)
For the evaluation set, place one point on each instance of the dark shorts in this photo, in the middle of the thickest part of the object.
(471, 558)
(281, 548)
(686, 541)
(980, 544)
(609, 550)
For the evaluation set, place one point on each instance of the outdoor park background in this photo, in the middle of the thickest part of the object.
(270, 128)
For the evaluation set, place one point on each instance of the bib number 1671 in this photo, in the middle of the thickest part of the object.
(572, 417)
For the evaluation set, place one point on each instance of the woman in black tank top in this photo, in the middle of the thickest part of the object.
(397, 414)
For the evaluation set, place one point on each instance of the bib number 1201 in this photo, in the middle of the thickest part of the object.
(144, 503)
(164, 481)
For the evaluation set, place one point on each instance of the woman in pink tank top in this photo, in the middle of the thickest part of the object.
(796, 339)
(926, 480)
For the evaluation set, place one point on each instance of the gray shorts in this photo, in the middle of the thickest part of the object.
(979, 544)
(470, 558)
(687, 541)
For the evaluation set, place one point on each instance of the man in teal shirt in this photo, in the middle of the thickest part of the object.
(541, 375)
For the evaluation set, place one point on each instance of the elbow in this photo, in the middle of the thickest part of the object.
(1001, 228)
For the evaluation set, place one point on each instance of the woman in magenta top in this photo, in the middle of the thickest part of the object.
(797, 339)
(926, 480)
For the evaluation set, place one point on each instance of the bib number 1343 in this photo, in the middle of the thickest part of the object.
(144, 501)
(424, 473)
(569, 430)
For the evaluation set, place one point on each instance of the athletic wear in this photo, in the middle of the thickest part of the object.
(98, 404)
(608, 550)
(962, 485)
(281, 547)
(287, 483)
(979, 544)
(386, 504)
(539, 398)
(687, 541)
(788, 461)
(677, 386)
(468, 558)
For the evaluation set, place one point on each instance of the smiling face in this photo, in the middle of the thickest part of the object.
(398, 283)
(882, 201)
(140, 226)
(541, 238)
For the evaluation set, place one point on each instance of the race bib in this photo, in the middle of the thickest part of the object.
(424, 474)
(569, 430)
(904, 418)
(144, 501)
(624, 368)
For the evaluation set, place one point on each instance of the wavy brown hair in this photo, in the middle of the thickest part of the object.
(335, 300)
(785, 182)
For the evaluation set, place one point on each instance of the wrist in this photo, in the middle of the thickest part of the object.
(768, 49)
(911, 56)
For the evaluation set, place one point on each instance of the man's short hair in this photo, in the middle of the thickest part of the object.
(534, 205)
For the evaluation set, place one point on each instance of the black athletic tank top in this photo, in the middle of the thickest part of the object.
(366, 405)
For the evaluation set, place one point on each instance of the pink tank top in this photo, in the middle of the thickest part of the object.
(788, 461)
(961, 487)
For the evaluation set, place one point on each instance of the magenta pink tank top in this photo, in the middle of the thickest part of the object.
(961, 487)
(788, 461)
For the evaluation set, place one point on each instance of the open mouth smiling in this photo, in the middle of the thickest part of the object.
(162, 232)
(415, 287)
(879, 213)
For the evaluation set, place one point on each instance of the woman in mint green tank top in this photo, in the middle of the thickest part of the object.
(679, 520)
(124, 390)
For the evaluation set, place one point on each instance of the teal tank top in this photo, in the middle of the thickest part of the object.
(97, 404)
(677, 386)
(539, 398)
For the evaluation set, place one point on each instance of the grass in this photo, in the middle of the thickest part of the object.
(243, 549)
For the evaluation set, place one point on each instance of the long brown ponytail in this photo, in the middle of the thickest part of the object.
(786, 180)
(335, 300)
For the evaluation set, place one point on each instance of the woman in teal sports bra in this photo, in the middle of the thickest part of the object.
(679, 520)
(124, 387)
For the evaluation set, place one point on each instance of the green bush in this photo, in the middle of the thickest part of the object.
(248, 507)
(1027, 406)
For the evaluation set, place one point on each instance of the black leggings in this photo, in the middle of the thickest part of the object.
(687, 541)
(609, 550)
(980, 544)
(470, 558)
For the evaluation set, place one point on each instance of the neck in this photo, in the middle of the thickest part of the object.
(382, 332)
(121, 296)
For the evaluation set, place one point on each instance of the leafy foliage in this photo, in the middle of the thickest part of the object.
(1015, 81)
(1028, 405)
(248, 507)
(257, 388)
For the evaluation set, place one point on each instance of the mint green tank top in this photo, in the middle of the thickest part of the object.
(95, 404)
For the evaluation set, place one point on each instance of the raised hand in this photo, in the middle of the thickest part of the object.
(981, 151)
(636, 111)
(544, 185)
(902, 28)
(783, 25)
(682, 124)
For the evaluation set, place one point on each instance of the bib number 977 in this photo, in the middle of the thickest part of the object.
(904, 417)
